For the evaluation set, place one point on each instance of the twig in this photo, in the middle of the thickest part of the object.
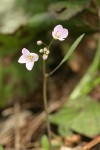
(91, 144)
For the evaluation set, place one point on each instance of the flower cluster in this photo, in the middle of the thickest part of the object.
(59, 33)
(45, 52)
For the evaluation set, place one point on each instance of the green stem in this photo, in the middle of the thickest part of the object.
(45, 103)
(49, 74)
(50, 43)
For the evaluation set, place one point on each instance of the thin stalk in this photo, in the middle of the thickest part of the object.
(45, 103)
(50, 43)
(45, 44)
(49, 74)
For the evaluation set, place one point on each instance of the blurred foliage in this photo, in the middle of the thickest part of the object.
(90, 79)
(1, 148)
(81, 113)
(64, 10)
(22, 23)
(45, 143)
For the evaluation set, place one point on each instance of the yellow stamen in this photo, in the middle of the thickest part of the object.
(30, 57)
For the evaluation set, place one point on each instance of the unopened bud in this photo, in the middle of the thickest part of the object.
(47, 52)
(41, 50)
(39, 42)
(45, 49)
(45, 57)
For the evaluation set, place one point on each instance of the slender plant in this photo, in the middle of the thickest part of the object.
(58, 33)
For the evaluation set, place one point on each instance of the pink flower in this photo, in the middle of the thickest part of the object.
(60, 33)
(28, 58)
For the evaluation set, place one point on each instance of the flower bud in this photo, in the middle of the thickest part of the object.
(45, 49)
(39, 42)
(47, 52)
(45, 56)
(41, 50)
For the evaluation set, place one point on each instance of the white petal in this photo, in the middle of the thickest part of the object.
(35, 56)
(29, 65)
(54, 35)
(22, 60)
(58, 27)
(64, 33)
(25, 52)
(60, 39)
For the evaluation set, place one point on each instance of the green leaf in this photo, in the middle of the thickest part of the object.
(83, 117)
(72, 113)
(88, 121)
(73, 47)
(45, 143)
(70, 51)
(1, 148)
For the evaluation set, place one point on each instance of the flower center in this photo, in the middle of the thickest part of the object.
(30, 57)
(58, 34)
